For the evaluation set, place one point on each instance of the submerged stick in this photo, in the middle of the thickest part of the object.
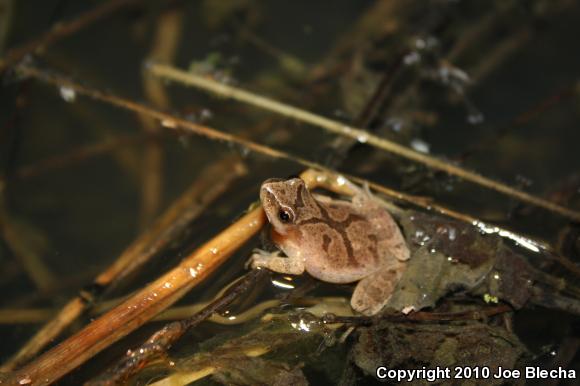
(210, 85)
(140, 308)
(28, 256)
(173, 122)
(420, 316)
(61, 30)
(209, 185)
(164, 47)
(163, 339)
(78, 154)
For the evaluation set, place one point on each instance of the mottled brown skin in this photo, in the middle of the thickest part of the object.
(335, 241)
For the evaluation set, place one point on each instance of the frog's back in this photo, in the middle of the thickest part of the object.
(341, 245)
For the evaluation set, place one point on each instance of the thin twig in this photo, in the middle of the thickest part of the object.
(59, 31)
(334, 182)
(421, 316)
(520, 120)
(164, 47)
(23, 316)
(28, 256)
(341, 145)
(77, 155)
(549, 299)
(363, 136)
(140, 308)
(288, 62)
(207, 187)
(163, 339)
(175, 123)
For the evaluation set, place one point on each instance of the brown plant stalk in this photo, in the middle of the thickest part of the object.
(61, 30)
(208, 186)
(173, 122)
(215, 87)
(141, 307)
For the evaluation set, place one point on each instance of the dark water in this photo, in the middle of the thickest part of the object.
(510, 68)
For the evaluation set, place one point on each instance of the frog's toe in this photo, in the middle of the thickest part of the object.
(401, 251)
(263, 252)
(255, 261)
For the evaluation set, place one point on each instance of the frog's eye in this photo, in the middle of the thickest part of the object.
(285, 216)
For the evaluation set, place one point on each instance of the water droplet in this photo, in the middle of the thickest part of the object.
(244, 151)
(213, 250)
(432, 42)
(452, 234)
(167, 285)
(147, 64)
(340, 180)
(475, 117)
(205, 115)
(362, 138)
(169, 123)
(394, 124)
(412, 58)
(282, 284)
(193, 272)
(420, 145)
(68, 94)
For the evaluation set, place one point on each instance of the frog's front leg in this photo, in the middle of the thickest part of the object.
(273, 261)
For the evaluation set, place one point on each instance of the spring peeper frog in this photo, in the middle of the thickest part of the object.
(335, 241)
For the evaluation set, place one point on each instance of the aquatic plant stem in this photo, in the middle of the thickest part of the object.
(141, 307)
(28, 256)
(164, 338)
(207, 84)
(61, 30)
(209, 185)
(173, 122)
(78, 154)
(164, 46)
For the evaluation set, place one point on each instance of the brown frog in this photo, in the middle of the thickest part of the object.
(334, 240)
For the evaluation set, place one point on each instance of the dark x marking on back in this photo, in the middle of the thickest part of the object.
(338, 226)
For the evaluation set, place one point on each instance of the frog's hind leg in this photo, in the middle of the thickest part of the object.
(374, 291)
